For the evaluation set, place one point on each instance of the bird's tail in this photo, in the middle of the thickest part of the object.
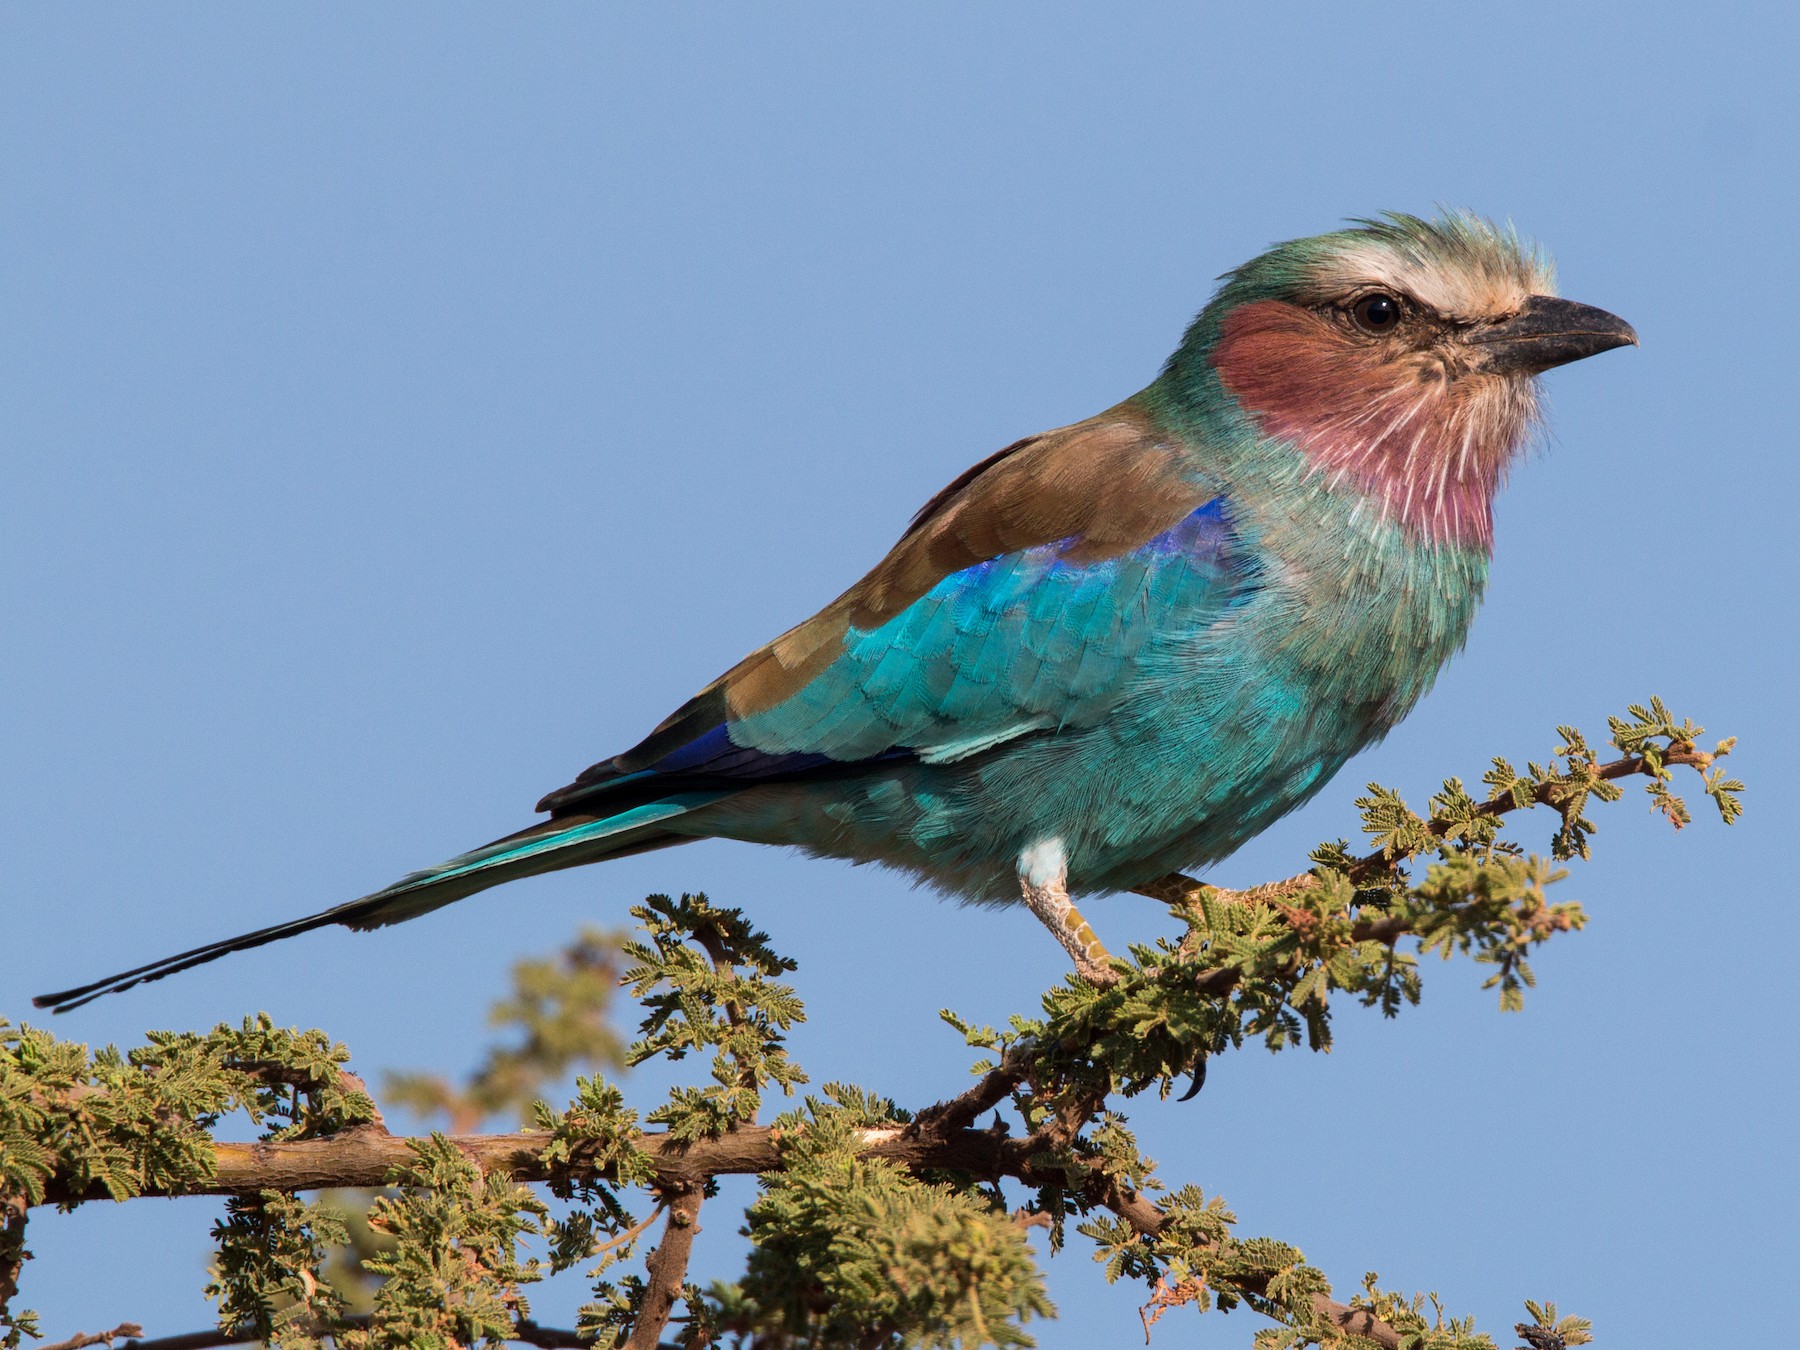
(547, 847)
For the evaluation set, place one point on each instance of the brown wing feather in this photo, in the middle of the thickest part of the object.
(1110, 484)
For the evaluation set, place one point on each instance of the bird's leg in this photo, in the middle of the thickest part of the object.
(1052, 905)
(1043, 880)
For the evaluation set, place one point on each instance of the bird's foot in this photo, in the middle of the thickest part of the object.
(1049, 900)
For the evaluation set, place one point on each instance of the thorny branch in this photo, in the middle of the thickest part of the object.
(525, 1332)
(12, 1246)
(988, 1092)
(667, 1266)
(1182, 891)
(82, 1339)
(712, 942)
(633, 1233)
(1177, 888)
(364, 1158)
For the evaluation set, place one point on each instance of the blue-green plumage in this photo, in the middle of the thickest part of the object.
(1124, 647)
(1175, 702)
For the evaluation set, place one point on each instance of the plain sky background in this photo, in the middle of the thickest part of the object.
(405, 406)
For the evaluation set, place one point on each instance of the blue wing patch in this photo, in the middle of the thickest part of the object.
(1030, 641)
(1027, 642)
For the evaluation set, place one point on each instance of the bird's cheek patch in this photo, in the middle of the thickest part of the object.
(1429, 451)
(1292, 372)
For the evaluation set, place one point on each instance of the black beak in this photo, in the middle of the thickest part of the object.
(1548, 332)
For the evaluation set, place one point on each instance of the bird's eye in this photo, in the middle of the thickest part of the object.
(1377, 313)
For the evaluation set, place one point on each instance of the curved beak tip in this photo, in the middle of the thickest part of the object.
(1550, 331)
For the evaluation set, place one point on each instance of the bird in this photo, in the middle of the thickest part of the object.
(1125, 646)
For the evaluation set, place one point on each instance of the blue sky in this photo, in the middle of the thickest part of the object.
(405, 406)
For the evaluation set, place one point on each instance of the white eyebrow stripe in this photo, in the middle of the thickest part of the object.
(1466, 287)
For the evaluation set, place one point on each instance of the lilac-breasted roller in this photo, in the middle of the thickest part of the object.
(1121, 648)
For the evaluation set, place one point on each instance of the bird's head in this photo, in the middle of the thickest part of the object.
(1398, 358)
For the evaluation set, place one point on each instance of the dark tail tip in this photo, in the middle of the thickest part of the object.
(70, 999)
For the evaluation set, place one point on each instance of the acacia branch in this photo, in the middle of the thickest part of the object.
(200, 1340)
(1180, 890)
(12, 1246)
(366, 1158)
(942, 1137)
(992, 1088)
(633, 1233)
(712, 943)
(81, 1339)
(1022, 1160)
(1177, 888)
(667, 1266)
(524, 1332)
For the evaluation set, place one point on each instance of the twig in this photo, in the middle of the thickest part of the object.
(667, 1266)
(86, 1338)
(1177, 888)
(1024, 1159)
(631, 1234)
(1148, 1219)
(525, 1332)
(1539, 1338)
(366, 1158)
(709, 938)
(13, 1210)
(989, 1091)
(193, 1340)
(349, 1082)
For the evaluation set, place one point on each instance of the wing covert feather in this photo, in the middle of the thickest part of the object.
(1019, 600)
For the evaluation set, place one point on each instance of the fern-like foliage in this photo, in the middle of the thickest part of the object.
(874, 1227)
